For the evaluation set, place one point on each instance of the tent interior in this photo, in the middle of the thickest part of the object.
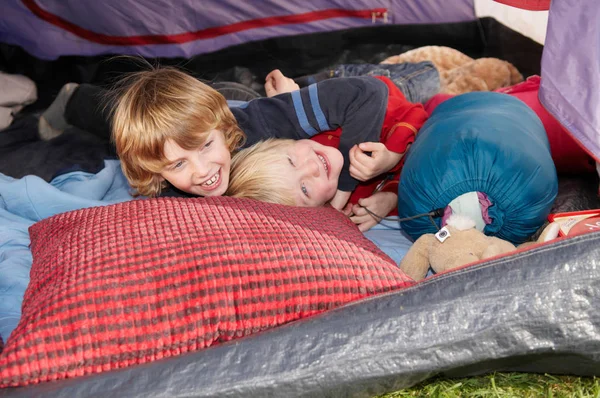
(532, 310)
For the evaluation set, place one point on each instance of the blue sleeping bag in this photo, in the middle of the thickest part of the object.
(481, 142)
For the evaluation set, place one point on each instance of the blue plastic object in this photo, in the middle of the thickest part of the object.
(484, 142)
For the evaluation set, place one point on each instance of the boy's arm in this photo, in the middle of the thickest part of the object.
(380, 197)
(409, 118)
(340, 199)
(402, 122)
(356, 104)
(363, 167)
(380, 204)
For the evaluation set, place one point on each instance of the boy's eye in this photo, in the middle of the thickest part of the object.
(291, 162)
(304, 190)
(209, 143)
(178, 164)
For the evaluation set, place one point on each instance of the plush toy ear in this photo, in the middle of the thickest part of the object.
(416, 262)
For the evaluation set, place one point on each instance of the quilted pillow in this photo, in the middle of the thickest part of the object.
(130, 283)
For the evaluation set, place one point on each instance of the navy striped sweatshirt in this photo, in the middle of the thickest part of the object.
(357, 105)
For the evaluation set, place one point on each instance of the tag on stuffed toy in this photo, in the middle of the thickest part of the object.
(442, 234)
(577, 222)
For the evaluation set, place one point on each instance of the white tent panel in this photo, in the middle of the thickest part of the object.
(532, 24)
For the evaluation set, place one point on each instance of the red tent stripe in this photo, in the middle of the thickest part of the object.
(199, 34)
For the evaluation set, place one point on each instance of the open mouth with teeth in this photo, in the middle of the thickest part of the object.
(323, 160)
(213, 182)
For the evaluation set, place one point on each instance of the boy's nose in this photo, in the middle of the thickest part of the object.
(200, 171)
(311, 168)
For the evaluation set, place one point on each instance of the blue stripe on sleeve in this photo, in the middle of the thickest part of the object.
(299, 108)
(237, 104)
(316, 106)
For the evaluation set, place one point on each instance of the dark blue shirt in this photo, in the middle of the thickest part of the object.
(355, 104)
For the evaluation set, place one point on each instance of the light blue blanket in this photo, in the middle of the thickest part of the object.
(25, 201)
(30, 199)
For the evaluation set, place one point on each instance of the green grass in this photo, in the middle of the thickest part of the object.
(504, 385)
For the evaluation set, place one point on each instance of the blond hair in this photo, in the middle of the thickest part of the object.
(160, 104)
(258, 173)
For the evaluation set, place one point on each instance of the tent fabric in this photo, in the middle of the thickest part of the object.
(532, 24)
(573, 36)
(570, 74)
(164, 28)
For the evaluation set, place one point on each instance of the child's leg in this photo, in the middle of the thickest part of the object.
(52, 122)
(417, 81)
(76, 105)
(85, 106)
(89, 110)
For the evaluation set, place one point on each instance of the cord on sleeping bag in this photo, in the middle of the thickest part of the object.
(434, 213)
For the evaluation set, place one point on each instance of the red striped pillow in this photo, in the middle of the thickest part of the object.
(130, 283)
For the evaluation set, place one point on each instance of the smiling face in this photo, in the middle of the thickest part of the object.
(313, 172)
(203, 171)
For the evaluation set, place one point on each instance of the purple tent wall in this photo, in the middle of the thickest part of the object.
(114, 20)
(571, 69)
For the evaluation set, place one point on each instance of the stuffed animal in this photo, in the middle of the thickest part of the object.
(460, 73)
(457, 244)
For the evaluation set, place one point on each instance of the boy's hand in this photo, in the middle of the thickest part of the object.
(276, 83)
(380, 203)
(340, 199)
(364, 167)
